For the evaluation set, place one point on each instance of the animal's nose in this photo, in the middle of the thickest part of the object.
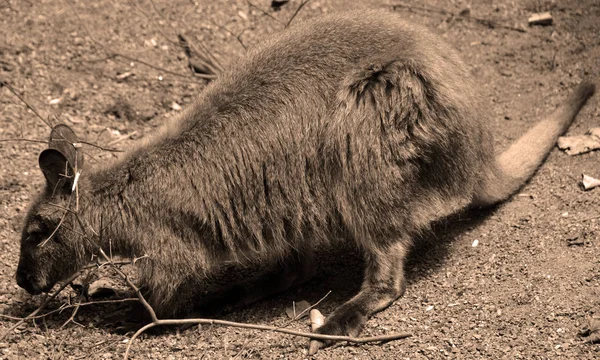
(24, 281)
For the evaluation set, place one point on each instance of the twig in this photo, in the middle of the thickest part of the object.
(152, 22)
(2, 83)
(296, 12)
(486, 22)
(25, 140)
(584, 220)
(121, 138)
(308, 309)
(101, 147)
(357, 340)
(130, 58)
(68, 306)
(72, 317)
(295, 317)
(190, 50)
(238, 37)
(43, 305)
(10, 88)
(265, 13)
(106, 344)
(205, 52)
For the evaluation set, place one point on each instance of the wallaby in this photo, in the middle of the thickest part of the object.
(353, 127)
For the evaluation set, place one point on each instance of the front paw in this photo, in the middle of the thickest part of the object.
(345, 321)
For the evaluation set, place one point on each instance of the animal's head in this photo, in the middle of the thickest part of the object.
(49, 249)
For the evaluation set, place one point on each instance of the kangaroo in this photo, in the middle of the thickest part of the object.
(355, 127)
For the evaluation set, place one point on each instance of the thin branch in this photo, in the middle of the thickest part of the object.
(127, 57)
(101, 147)
(265, 13)
(43, 305)
(238, 36)
(68, 306)
(308, 309)
(357, 340)
(152, 22)
(15, 93)
(584, 220)
(296, 12)
(486, 22)
(205, 52)
(72, 317)
(25, 140)
(201, 57)
(62, 220)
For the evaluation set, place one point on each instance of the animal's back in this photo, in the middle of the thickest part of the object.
(347, 122)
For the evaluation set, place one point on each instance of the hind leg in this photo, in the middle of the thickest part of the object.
(383, 283)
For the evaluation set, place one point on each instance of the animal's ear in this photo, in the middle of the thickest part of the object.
(62, 160)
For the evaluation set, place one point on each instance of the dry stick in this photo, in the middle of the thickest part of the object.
(207, 64)
(293, 319)
(189, 49)
(207, 54)
(308, 309)
(296, 12)
(43, 305)
(106, 344)
(130, 58)
(10, 88)
(152, 22)
(358, 340)
(102, 147)
(211, 56)
(25, 140)
(68, 306)
(265, 13)
(122, 138)
(237, 37)
(584, 220)
(72, 317)
(489, 23)
(29, 106)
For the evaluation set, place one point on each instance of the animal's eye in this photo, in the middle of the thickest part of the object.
(35, 228)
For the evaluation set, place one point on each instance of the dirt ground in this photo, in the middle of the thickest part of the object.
(524, 292)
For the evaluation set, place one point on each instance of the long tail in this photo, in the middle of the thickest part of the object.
(519, 162)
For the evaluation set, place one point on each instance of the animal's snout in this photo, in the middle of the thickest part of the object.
(26, 281)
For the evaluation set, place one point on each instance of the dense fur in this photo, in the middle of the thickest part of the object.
(352, 127)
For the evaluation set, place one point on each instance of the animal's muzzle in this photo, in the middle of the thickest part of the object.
(26, 281)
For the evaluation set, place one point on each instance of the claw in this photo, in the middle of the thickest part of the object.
(314, 346)
(316, 321)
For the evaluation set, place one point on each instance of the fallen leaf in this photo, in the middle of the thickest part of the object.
(580, 144)
(124, 75)
(297, 308)
(589, 182)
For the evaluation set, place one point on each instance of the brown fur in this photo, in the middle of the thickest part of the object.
(352, 127)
